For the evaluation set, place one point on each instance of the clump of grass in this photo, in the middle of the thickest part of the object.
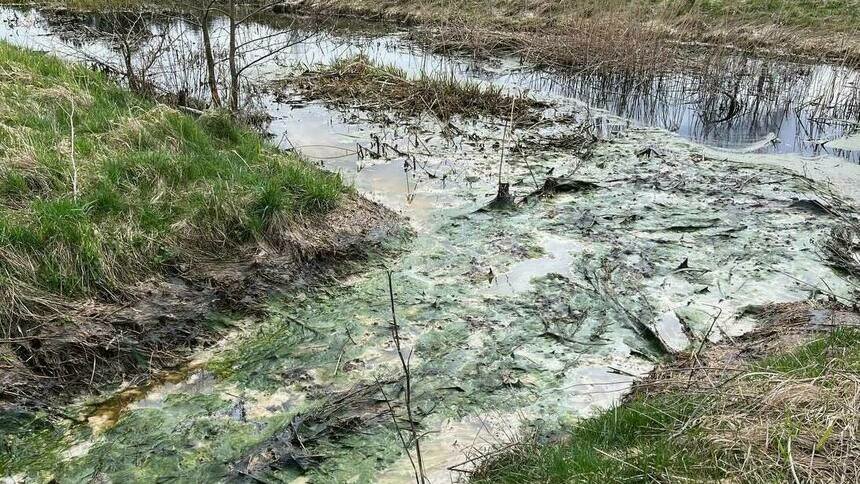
(790, 417)
(357, 81)
(597, 43)
(138, 187)
(628, 443)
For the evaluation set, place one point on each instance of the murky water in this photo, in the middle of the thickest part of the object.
(515, 320)
(731, 101)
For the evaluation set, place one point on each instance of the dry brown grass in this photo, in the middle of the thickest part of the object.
(545, 29)
(802, 428)
(358, 82)
(843, 249)
(590, 44)
(783, 400)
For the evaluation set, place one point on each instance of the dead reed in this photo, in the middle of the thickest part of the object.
(358, 82)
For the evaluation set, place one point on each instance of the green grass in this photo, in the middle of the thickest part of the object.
(154, 186)
(669, 437)
(837, 352)
(627, 443)
(843, 15)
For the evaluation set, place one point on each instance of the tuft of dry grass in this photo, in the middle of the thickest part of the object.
(358, 82)
(843, 249)
(596, 44)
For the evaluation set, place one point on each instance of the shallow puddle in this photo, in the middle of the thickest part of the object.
(556, 261)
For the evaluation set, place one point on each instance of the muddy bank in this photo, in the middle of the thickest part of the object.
(781, 328)
(99, 342)
(115, 261)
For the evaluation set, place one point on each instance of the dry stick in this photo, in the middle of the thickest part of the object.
(397, 428)
(395, 335)
(505, 139)
(339, 358)
(702, 345)
(531, 172)
(791, 463)
(93, 375)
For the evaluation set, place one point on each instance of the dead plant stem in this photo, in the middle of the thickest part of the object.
(395, 335)
(508, 125)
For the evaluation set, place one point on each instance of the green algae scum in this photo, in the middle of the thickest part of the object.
(627, 245)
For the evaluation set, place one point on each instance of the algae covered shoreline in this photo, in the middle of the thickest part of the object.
(622, 248)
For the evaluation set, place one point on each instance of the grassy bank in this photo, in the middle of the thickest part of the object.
(642, 34)
(586, 33)
(834, 15)
(102, 193)
(100, 188)
(788, 414)
(829, 15)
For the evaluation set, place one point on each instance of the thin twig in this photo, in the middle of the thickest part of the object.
(505, 138)
(397, 428)
(395, 335)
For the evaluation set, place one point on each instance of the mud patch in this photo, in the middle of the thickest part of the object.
(100, 342)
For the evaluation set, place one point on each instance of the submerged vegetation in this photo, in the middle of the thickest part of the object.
(789, 416)
(359, 81)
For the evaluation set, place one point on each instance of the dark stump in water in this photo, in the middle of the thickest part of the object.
(503, 200)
